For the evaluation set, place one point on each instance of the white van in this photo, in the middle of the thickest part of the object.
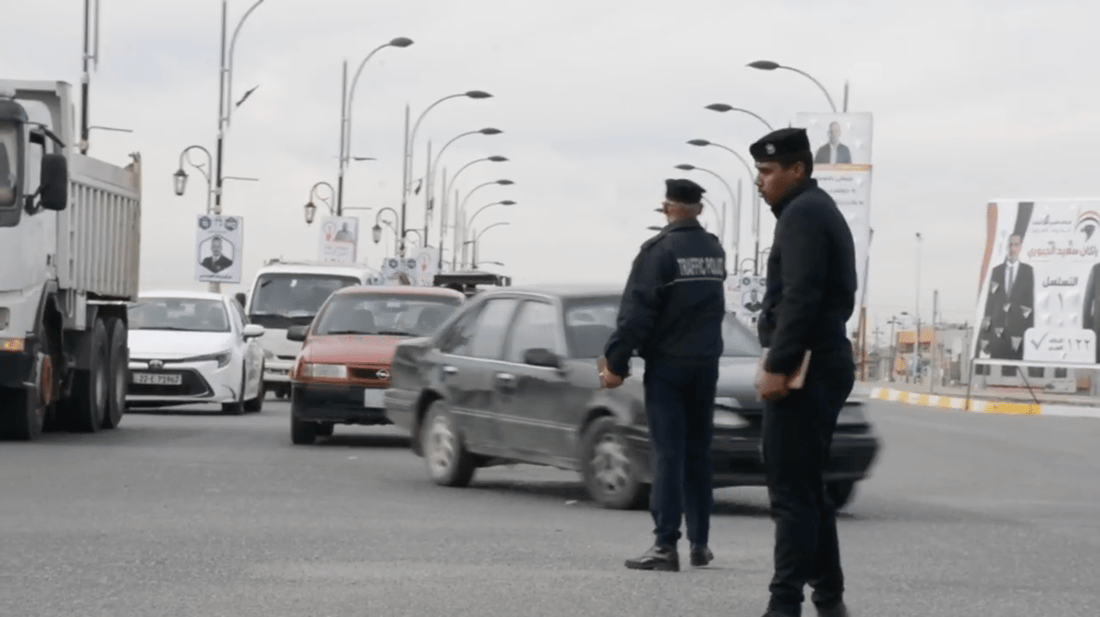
(288, 294)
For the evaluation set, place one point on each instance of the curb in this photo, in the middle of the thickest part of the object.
(983, 405)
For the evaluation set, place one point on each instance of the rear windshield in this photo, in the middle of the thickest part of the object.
(385, 314)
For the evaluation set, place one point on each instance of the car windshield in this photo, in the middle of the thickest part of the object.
(184, 314)
(8, 160)
(282, 300)
(589, 322)
(384, 314)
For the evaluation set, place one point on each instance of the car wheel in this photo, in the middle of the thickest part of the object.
(448, 461)
(302, 433)
(841, 492)
(236, 408)
(611, 473)
(256, 405)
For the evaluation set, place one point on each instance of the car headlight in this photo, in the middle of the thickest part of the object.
(222, 358)
(324, 371)
(728, 419)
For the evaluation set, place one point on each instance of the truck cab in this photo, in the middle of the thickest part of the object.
(286, 294)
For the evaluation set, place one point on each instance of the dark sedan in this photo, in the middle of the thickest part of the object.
(511, 377)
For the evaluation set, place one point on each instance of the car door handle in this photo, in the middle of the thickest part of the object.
(506, 380)
(450, 370)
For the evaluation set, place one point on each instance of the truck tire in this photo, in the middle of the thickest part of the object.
(118, 372)
(22, 414)
(90, 387)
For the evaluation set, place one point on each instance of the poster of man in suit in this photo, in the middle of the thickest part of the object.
(218, 246)
(833, 152)
(1039, 277)
(1010, 307)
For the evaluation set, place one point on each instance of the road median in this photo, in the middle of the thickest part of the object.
(983, 404)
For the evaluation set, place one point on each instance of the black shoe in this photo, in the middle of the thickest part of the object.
(836, 610)
(662, 558)
(701, 555)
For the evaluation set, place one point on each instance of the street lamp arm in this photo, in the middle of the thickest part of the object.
(351, 97)
(744, 162)
(378, 216)
(482, 232)
(185, 156)
(416, 127)
(470, 223)
(451, 184)
(811, 78)
(229, 69)
(435, 163)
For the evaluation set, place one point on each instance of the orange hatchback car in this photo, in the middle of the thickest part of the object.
(344, 366)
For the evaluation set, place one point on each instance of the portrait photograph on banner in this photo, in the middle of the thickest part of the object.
(1039, 293)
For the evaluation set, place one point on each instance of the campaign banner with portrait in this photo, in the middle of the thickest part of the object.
(219, 241)
(399, 271)
(841, 143)
(1039, 291)
(339, 239)
(750, 298)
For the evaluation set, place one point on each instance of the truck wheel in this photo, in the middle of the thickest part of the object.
(118, 372)
(23, 414)
(611, 473)
(90, 387)
(448, 461)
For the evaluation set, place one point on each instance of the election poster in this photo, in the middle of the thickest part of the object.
(399, 271)
(339, 239)
(750, 298)
(219, 241)
(427, 265)
(1039, 291)
(841, 143)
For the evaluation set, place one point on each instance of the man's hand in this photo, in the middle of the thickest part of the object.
(772, 386)
(610, 380)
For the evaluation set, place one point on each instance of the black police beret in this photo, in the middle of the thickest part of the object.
(682, 190)
(780, 143)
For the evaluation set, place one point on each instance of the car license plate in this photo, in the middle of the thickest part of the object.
(158, 379)
(373, 398)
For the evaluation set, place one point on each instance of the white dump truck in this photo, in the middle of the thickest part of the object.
(70, 233)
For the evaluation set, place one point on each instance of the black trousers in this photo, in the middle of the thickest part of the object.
(798, 431)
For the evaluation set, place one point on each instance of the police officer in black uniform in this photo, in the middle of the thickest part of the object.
(671, 314)
(810, 296)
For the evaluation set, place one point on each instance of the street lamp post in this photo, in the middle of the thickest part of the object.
(376, 231)
(477, 240)
(449, 185)
(180, 177)
(735, 200)
(346, 98)
(916, 316)
(225, 93)
(410, 139)
(432, 172)
(311, 208)
(461, 212)
(755, 198)
(722, 107)
(768, 65)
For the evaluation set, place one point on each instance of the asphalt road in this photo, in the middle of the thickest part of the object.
(198, 514)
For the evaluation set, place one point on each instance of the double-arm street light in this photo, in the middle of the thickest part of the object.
(734, 199)
(410, 139)
(477, 240)
(755, 197)
(460, 213)
(346, 98)
(722, 107)
(768, 65)
(225, 95)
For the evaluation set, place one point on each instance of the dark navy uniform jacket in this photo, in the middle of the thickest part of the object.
(674, 301)
(811, 282)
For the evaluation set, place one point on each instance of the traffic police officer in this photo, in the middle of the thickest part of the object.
(810, 296)
(671, 314)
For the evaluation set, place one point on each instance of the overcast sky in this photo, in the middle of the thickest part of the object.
(972, 100)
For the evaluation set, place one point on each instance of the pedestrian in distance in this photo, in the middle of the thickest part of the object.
(671, 315)
(807, 371)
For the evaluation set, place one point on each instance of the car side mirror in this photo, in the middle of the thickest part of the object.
(297, 333)
(241, 299)
(54, 175)
(542, 357)
(253, 331)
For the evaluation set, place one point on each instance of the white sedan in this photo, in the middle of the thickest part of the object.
(194, 347)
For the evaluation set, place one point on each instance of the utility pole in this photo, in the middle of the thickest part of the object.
(916, 318)
(91, 60)
(935, 359)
